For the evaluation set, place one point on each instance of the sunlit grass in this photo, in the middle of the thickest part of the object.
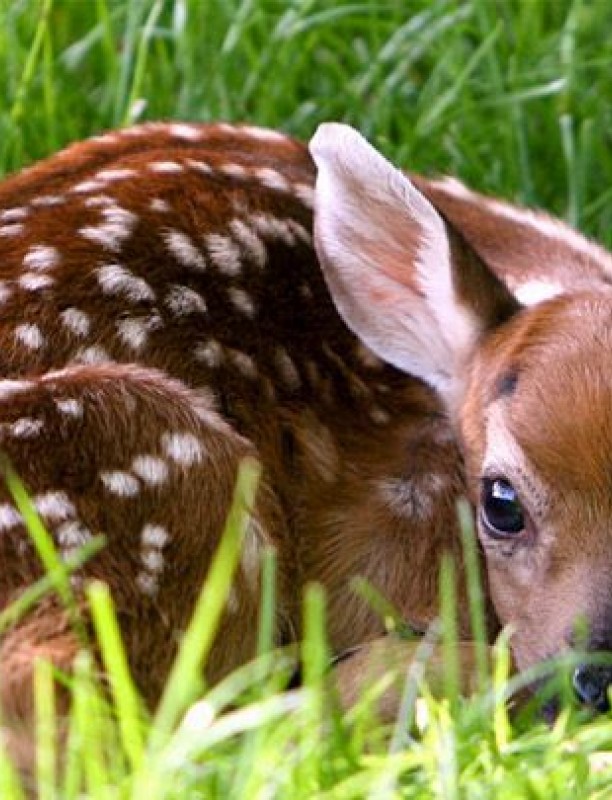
(249, 737)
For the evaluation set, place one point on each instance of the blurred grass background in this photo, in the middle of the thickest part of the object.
(513, 96)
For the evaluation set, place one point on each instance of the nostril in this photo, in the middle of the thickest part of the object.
(591, 684)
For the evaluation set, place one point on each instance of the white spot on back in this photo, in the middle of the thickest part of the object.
(183, 448)
(30, 335)
(95, 354)
(154, 536)
(152, 560)
(182, 131)
(6, 292)
(76, 321)
(147, 583)
(209, 353)
(167, 167)
(111, 175)
(243, 362)
(262, 134)
(153, 539)
(33, 281)
(152, 470)
(287, 369)
(286, 230)
(10, 389)
(233, 170)
(41, 257)
(251, 245)
(123, 484)
(69, 407)
(24, 428)
(13, 214)
(305, 193)
(13, 229)
(200, 166)
(113, 231)
(47, 200)
(84, 187)
(72, 534)
(9, 517)
(116, 280)
(160, 205)
(134, 331)
(183, 300)
(54, 506)
(181, 246)
(241, 301)
(224, 253)
(272, 179)
(99, 201)
(379, 415)
(300, 232)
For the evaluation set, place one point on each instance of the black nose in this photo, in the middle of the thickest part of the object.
(591, 683)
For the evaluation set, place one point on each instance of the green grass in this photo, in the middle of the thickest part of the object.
(246, 738)
(514, 97)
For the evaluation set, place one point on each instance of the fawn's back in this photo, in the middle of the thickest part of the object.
(163, 316)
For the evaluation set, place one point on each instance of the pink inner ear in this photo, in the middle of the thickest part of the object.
(395, 264)
(370, 209)
(392, 246)
(385, 254)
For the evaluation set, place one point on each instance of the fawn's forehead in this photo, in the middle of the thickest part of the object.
(553, 388)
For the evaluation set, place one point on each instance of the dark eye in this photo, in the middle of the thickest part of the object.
(500, 508)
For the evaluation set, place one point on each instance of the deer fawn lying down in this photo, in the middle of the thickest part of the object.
(164, 315)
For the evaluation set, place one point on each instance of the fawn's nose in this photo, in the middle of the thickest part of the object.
(591, 683)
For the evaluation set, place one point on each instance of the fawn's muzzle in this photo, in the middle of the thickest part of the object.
(591, 683)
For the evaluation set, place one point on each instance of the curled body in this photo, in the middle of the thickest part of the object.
(167, 308)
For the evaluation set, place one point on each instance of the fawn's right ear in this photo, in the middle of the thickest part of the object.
(405, 283)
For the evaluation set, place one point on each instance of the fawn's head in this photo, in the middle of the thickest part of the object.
(529, 391)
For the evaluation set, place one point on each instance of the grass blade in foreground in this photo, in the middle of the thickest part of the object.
(127, 702)
(185, 676)
(41, 539)
(46, 730)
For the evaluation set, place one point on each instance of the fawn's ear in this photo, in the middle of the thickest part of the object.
(403, 281)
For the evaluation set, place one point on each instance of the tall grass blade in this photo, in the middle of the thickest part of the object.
(186, 674)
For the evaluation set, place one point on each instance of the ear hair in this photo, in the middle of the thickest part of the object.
(390, 264)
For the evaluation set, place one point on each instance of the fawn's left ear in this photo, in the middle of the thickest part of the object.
(403, 281)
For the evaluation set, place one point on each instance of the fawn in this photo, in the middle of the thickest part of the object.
(164, 315)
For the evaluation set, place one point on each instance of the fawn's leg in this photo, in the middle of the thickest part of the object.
(362, 667)
(146, 462)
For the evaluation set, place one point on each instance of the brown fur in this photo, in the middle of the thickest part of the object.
(361, 469)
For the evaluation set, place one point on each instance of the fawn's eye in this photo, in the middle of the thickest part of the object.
(500, 508)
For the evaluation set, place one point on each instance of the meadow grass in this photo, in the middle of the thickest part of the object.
(513, 97)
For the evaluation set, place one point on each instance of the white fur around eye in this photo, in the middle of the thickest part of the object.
(505, 457)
